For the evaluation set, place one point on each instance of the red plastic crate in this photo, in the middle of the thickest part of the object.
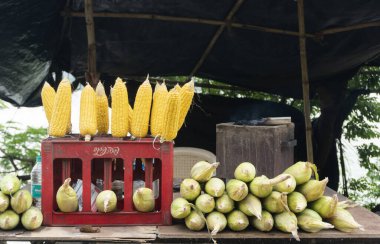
(109, 159)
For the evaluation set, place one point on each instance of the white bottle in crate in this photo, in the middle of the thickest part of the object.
(36, 180)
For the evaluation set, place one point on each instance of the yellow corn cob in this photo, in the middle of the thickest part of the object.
(120, 109)
(160, 97)
(177, 87)
(101, 109)
(60, 117)
(141, 110)
(87, 116)
(171, 116)
(130, 114)
(47, 97)
(186, 94)
(68, 128)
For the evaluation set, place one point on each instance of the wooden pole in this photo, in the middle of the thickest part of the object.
(186, 20)
(349, 28)
(317, 35)
(216, 36)
(91, 75)
(305, 80)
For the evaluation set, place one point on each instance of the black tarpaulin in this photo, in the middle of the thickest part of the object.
(37, 38)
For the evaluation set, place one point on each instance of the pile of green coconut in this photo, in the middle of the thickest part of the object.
(292, 200)
(16, 205)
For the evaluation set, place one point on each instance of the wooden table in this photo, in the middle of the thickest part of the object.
(179, 234)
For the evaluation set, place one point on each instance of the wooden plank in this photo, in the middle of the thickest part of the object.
(180, 234)
(117, 233)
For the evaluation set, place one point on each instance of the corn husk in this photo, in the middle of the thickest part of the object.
(276, 202)
(344, 221)
(245, 172)
(9, 184)
(21, 201)
(296, 202)
(4, 202)
(325, 206)
(32, 218)
(313, 225)
(215, 187)
(347, 204)
(313, 189)
(287, 185)
(106, 201)
(237, 190)
(265, 223)
(195, 221)
(216, 222)
(224, 204)
(237, 220)
(311, 213)
(205, 203)
(67, 199)
(302, 171)
(180, 208)
(262, 186)
(287, 222)
(190, 189)
(143, 199)
(250, 206)
(203, 171)
(9, 220)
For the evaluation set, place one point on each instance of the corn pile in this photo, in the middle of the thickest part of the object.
(16, 206)
(161, 111)
(290, 201)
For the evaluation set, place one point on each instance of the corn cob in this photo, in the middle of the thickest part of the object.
(101, 109)
(160, 97)
(120, 109)
(60, 117)
(68, 128)
(130, 114)
(177, 87)
(47, 97)
(171, 116)
(87, 116)
(344, 221)
(141, 110)
(186, 94)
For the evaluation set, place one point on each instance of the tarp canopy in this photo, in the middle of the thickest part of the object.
(41, 37)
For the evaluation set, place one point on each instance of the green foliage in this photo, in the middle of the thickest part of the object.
(366, 190)
(361, 124)
(19, 147)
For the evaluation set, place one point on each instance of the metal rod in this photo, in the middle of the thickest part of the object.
(305, 80)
